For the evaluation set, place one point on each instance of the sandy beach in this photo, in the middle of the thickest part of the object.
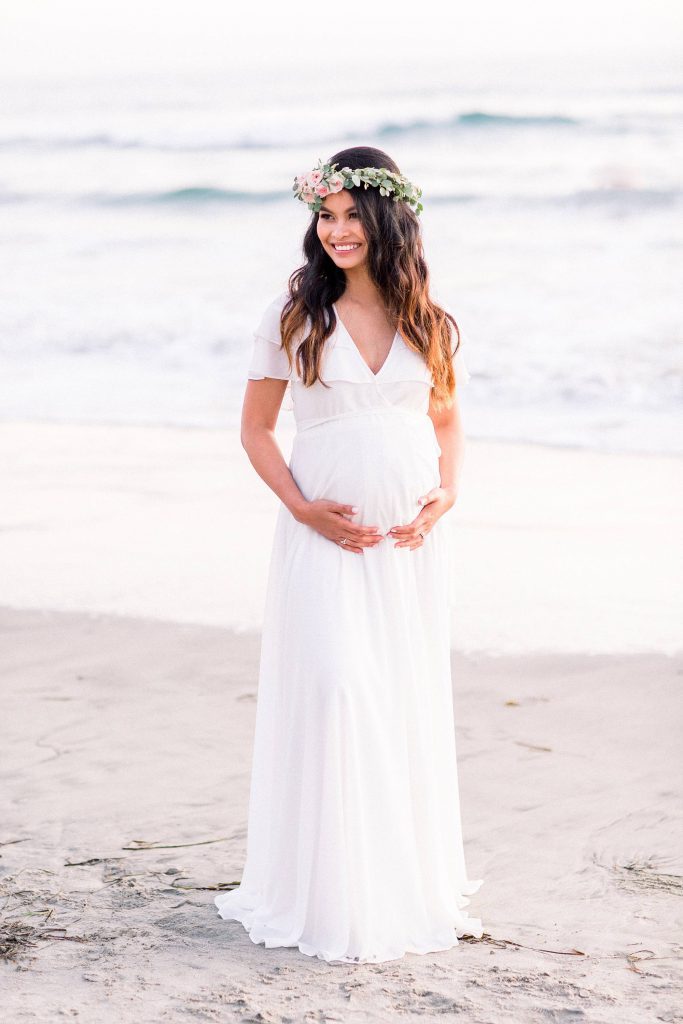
(133, 565)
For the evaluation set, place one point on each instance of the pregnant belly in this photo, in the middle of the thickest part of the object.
(382, 462)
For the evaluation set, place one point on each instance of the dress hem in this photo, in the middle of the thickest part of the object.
(466, 926)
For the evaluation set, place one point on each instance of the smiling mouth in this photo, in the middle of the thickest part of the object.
(346, 248)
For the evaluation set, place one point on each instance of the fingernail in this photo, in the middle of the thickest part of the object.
(354, 508)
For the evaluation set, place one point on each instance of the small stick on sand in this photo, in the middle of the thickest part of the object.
(503, 943)
(142, 844)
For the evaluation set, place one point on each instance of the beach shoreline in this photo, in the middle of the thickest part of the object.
(555, 550)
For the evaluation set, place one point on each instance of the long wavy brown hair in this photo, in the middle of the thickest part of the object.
(396, 264)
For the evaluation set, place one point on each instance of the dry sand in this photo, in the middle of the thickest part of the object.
(118, 731)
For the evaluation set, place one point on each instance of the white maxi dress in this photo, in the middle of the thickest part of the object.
(354, 841)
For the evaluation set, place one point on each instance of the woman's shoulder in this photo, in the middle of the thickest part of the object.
(280, 300)
(269, 324)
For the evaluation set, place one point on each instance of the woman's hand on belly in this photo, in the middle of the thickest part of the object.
(434, 504)
(330, 519)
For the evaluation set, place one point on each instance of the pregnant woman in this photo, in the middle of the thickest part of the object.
(354, 845)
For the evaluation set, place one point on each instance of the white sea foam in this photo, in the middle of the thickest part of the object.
(147, 225)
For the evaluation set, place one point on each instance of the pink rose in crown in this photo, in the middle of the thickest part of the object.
(307, 196)
(336, 182)
(314, 177)
(322, 190)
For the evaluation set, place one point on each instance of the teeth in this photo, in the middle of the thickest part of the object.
(346, 248)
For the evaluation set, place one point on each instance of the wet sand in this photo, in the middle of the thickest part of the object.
(556, 550)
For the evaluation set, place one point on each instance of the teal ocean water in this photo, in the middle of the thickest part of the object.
(148, 221)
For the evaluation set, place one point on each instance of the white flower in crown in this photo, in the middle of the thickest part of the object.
(312, 186)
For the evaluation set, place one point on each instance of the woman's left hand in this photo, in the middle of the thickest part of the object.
(434, 504)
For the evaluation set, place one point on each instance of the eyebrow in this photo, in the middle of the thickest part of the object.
(328, 210)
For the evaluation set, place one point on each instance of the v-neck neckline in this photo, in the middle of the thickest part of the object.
(372, 373)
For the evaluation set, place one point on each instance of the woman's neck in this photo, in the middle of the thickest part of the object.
(361, 290)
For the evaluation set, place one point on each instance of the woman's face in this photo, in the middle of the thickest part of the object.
(340, 230)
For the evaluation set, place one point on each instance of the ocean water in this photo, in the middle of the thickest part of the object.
(146, 222)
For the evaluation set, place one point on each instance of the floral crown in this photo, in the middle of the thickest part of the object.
(311, 187)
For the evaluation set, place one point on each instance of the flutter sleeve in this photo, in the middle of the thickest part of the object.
(462, 374)
(268, 358)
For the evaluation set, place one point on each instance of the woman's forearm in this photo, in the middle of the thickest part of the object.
(451, 440)
(265, 456)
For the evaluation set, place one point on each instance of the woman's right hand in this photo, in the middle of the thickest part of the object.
(330, 519)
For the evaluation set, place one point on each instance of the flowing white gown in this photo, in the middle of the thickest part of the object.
(354, 844)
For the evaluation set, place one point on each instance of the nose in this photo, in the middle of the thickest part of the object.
(335, 237)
